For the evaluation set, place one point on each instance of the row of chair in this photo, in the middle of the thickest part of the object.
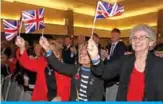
(12, 91)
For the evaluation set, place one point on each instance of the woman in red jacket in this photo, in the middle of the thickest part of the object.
(42, 91)
(62, 81)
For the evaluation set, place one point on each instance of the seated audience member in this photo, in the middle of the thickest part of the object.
(85, 85)
(140, 73)
(60, 41)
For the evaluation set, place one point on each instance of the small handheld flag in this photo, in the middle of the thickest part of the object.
(33, 20)
(11, 28)
(105, 10)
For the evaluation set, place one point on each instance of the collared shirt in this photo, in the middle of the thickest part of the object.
(113, 45)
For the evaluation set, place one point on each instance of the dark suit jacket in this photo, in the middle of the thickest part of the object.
(95, 88)
(119, 50)
(124, 67)
(67, 56)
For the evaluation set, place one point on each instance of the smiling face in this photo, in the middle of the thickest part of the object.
(115, 36)
(141, 41)
(67, 41)
(96, 39)
(37, 49)
(83, 56)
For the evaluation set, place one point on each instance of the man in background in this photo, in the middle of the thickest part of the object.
(68, 51)
(115, 50)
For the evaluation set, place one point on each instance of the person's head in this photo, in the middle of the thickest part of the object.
(84, 58)
(38, 49)
(56, 48)
(7, 52)
(60, 41)
(96, 38)
(68, 41)
(4, 44)
(13, 50)
(142, 38)
(115, 35)
(81, 39)
(26, 45)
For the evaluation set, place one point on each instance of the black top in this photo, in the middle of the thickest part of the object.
(67, 56)
(123, 68)
(119, 50)
(51, 83)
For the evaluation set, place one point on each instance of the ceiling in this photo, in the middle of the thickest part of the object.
(132, 7)
(136, 12)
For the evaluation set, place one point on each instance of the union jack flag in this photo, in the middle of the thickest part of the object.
(105, 9)
(11, 28)
(33, 20)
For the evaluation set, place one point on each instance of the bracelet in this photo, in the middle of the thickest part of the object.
(48, 53)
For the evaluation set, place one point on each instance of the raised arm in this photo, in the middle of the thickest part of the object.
(22, 56)
(67, 69)
(60, 67)
(107, 71)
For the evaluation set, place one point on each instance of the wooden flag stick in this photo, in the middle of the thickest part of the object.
(42, 32)
(94, 20)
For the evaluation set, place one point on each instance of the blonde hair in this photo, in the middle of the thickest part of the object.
(56, 48)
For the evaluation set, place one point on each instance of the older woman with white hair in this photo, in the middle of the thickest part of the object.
(141, 73)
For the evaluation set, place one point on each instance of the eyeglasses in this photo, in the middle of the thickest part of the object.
(141, 38)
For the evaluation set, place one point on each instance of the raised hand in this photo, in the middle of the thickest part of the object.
(73, 49)
(20, 42)
(92, 49)
(57, 98)
(44, 43)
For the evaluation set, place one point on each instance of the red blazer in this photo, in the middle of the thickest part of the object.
(40, 90)
(63, 86)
